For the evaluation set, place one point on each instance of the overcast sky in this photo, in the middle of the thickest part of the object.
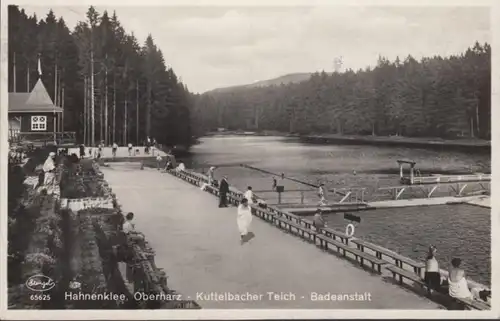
(212, 47)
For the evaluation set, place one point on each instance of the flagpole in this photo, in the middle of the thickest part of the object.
(14, 72)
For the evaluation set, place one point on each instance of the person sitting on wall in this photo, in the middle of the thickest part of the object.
(129, 228)
(458, 286)
(114, 149)
(318, 220)
(169, 165)
(223, 190)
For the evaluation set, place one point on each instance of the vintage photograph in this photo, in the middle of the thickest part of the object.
(248, 157)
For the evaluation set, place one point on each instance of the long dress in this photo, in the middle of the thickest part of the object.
(459, 289)
(249, 196)
(244, 219)
(49, 178)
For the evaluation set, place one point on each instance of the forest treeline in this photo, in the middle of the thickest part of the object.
(134, 94)
(434, 97)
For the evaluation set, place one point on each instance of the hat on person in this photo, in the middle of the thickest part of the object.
(52, 154)
(212, 168)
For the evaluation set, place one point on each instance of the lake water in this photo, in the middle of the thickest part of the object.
(457, 230)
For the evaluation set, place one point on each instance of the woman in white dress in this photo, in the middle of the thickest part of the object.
(211, 175)
(457, 283)
(249, 195)
(244, 219)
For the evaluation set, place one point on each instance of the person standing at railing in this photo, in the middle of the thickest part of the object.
(249, 195)
(432, 276)
(82, 151)
(223, 190)
(100, 146)
(130, 148)
(275, 183)
(114, 149)
(321, 194)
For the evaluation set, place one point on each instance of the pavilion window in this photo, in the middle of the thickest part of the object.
(38, 123)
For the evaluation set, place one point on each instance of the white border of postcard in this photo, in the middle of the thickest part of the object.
(253, 313)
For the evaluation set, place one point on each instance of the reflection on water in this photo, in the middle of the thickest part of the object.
(462, 231)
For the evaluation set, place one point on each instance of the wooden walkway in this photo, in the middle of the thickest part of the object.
(198, 245)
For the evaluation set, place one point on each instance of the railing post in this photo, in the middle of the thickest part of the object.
(301, 197)
(279, 197)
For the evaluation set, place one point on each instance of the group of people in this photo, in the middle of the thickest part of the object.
(149, 145)
(98, 152)
(456, 282)
(244, 211)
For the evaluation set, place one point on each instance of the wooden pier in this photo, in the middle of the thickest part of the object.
(402, 268)
(198, 245)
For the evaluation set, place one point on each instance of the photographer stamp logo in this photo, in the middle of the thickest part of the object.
(40, 283)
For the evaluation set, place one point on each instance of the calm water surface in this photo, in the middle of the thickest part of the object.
(457, 230)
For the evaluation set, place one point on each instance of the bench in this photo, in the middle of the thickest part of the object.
(362, 256)
(405, 274)
(474, 304)
(263, 214)
(334, 234)
(302, 230)
(398, 259)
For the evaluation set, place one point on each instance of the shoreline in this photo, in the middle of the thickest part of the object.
(476, 145)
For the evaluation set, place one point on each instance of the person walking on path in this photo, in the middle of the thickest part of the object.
(458, 286)
(243, 220)
(223, 190)
(158, 162)
(432, 276)
(49, 169)
(114, 149)
(130, 148)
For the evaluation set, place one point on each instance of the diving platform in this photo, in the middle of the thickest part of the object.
(457, 189)
(481, 201)
(415, 177)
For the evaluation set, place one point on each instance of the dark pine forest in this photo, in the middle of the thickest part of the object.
(136, 94)
(447, 97)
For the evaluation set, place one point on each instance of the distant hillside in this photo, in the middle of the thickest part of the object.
(286, 79)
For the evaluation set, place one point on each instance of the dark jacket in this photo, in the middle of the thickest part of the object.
(224, 186)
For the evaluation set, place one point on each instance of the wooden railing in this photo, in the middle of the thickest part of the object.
(304, 229)
(45, 138)
(457, 189)
(451, 179)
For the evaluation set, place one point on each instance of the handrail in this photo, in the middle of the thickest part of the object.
(236, 195)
